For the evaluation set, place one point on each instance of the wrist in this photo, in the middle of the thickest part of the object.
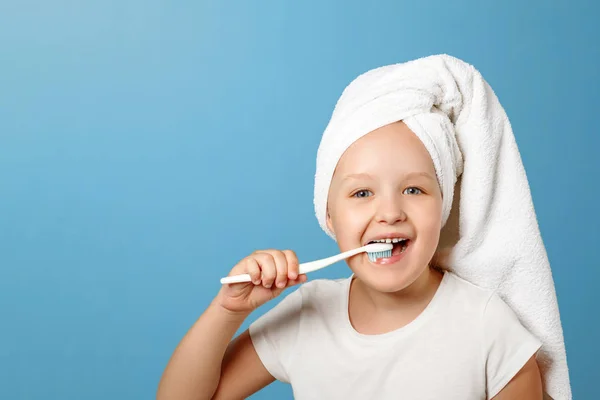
(230, 315)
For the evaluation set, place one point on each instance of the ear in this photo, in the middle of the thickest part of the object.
(329, 224)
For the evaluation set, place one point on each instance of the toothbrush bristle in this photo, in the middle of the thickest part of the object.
(379, 254)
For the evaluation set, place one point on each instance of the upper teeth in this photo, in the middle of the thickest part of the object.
(394, 240)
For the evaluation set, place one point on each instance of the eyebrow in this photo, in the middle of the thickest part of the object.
(409, 175)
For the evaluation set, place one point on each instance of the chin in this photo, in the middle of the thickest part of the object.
(387, 286)
(387, 279)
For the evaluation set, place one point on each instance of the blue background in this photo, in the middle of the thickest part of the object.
(147, 146)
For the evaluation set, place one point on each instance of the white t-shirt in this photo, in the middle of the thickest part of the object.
(466, 344)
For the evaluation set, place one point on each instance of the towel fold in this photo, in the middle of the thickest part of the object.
(490, 225)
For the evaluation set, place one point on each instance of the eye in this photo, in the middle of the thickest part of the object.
(412, 190)
(361, 193)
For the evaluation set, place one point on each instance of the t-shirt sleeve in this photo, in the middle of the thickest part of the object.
(274, 335)
(507, 344)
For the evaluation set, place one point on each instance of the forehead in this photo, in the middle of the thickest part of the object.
(389, 149)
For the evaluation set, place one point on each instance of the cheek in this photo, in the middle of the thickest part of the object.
(432, 221)
(349, 224)
(429, 224)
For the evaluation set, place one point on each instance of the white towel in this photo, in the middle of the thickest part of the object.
(497, 242)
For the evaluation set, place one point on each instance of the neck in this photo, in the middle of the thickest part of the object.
(374, 312)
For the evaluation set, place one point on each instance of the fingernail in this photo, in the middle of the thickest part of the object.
(280, 284)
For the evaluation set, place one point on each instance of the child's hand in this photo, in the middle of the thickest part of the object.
(272, 271)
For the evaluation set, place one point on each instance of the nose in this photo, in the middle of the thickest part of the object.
(390, 210)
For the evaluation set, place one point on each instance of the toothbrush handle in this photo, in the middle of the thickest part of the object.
(315, 265)
(303, 268)
(236, 279)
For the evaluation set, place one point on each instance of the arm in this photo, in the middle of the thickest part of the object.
(242, 373)
(207, 363)
(526, 384)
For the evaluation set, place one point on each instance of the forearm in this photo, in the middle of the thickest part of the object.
(195, 367)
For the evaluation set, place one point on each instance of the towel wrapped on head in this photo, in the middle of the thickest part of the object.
(496, 241)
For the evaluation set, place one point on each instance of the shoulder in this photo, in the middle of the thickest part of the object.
(484, 303)
(276, 331)
(467, 296)
(505, 344)
(323, 289)
(317, 295)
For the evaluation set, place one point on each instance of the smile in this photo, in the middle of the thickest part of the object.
(401, 246)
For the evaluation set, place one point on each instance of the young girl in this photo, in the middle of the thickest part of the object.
(398, 327)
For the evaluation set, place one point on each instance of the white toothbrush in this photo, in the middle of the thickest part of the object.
(375, 250)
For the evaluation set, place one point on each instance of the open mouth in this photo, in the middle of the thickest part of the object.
(400, 244)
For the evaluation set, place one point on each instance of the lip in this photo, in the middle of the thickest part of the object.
(388, 236)
(392, 259)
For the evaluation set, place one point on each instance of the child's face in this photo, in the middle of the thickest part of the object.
(385, 184)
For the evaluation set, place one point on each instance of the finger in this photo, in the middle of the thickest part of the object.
(292, 263)
(267, 267)
(253, 269)
(293, 282)
(289, 283)
(280, 265)
(282, 268)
